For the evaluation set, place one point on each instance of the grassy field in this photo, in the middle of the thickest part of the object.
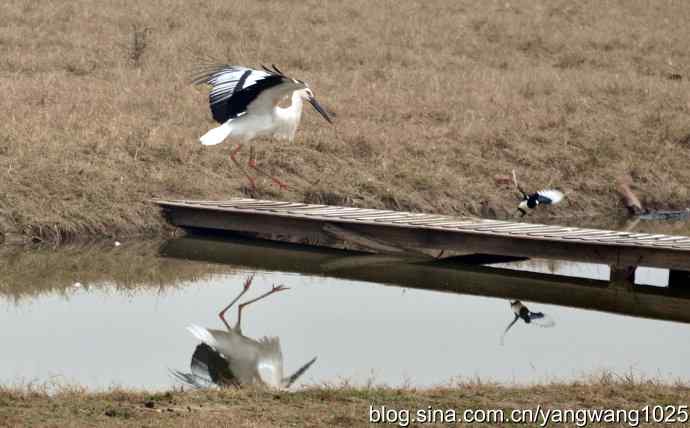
(321, 406)
(433, 99)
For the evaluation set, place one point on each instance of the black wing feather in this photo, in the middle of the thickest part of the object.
(236, 104)
(207, 363)
(240, 99)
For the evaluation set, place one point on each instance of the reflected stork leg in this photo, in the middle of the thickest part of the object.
(247, 284)
(275, 289)
(252, 164)
(252, 183)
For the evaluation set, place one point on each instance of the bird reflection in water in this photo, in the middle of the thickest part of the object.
(229, 358)
(522, 312)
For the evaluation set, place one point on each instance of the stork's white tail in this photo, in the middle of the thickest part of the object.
(203, 335)
(216, 135)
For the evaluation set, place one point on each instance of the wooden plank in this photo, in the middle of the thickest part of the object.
(673, 238)
(560, 232)
(544, 233)
(339, 213)
(375, 216)
(441, 221)
(412, 216)
(307, 208)
(453, 225)
(326, 211)
(429, 221)
(579, 234)
(285, 208)
(263, 204)
(392, 217)
(332, 211)
(512, 226)
(649, 238)
(611, 236)
(361, 212)
(537, 228)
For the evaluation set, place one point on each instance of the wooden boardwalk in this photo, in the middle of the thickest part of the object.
(395, 232)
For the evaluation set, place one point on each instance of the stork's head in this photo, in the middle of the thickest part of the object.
(307, 94)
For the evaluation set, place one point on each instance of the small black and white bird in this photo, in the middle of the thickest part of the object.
(522, 312)
(542, 197)
(245, 103)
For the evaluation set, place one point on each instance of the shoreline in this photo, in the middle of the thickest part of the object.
(159, 229)
(321, 405)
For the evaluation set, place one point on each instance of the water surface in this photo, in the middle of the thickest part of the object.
(367, 320)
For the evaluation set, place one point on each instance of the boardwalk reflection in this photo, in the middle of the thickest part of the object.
(446, 275)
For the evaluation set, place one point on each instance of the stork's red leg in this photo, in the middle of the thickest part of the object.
(252, 164)
(275, 289)
(247, 284)
(252, 183)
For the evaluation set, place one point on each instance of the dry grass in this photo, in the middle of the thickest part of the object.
(318, 406)
(433, 99)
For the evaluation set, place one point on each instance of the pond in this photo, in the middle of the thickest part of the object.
(104, 316)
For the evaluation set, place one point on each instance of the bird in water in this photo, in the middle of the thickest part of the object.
(542, 197)
(245, 102)
(229, 358)
(522, 312)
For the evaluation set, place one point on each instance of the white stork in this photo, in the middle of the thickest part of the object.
(229, 358)
(245, 103)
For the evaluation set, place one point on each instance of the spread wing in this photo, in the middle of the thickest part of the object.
(541, 319)
(270, 363)
(235, 89)
(208, 368)
(550, 196)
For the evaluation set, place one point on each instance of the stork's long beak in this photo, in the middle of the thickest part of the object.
(320, 109)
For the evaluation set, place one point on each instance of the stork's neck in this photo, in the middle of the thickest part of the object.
(297, 103)
(293, 111)
(288, 118)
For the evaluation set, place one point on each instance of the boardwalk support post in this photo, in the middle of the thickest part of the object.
(623, 277)
(679, 278)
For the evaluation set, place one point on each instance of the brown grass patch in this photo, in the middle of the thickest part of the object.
(433, 99)
(340, 406)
